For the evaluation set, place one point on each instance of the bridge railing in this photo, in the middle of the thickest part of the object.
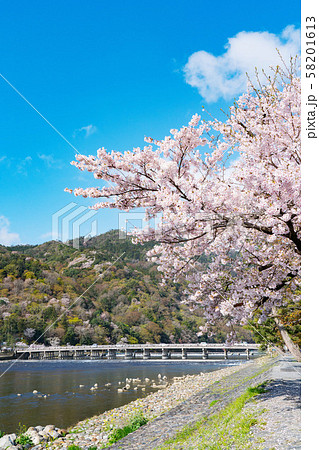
(123, 347)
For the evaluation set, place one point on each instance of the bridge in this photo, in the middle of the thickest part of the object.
(140, 351)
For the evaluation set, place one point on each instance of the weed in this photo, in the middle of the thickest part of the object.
(136, 422)
(22, 429)
(213, 403)
(256, 390)
(75, 430)
(24, 440)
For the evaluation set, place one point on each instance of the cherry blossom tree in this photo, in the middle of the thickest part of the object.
(29, 333)
(228, 194)
(54, 341)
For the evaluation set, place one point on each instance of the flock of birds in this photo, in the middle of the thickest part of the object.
(128, 384)
(36, 392)
(135, 384)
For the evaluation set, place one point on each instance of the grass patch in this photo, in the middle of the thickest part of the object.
(227, 429)
(260, 389)
(136, 422)
(213, 403)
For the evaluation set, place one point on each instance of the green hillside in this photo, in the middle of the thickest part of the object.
(40, 285)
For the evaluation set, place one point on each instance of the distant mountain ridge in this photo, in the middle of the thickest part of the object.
(39, 283)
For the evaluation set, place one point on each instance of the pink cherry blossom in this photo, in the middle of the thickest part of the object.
(233, 233)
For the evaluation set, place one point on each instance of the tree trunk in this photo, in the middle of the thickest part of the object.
(292, 347)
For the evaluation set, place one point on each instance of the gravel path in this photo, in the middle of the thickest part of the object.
(279, 425)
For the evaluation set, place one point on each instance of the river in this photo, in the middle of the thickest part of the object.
(62, 402)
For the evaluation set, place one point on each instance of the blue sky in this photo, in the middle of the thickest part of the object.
(107, 74)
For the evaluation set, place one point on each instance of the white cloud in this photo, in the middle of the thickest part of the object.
(50, 235)
(18, 165)
(224, 76)
(51, 161)
(88, 130)
(6, 237)
(23, 165)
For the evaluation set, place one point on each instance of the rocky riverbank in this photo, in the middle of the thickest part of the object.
(95, 431)
(31, 438)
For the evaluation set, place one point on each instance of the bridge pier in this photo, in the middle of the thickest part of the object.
(111, 354)
(225, 353)
(184, 353)
(204, 353)
(247, 354)
(146, 353)
(65, 354)
(166, 354)
(78, 354)
(128, 354)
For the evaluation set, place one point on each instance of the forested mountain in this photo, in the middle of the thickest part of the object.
(40, 285)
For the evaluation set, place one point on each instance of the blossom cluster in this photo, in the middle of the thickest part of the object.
(232, 231)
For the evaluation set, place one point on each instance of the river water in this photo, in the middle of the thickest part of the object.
(66, 403)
